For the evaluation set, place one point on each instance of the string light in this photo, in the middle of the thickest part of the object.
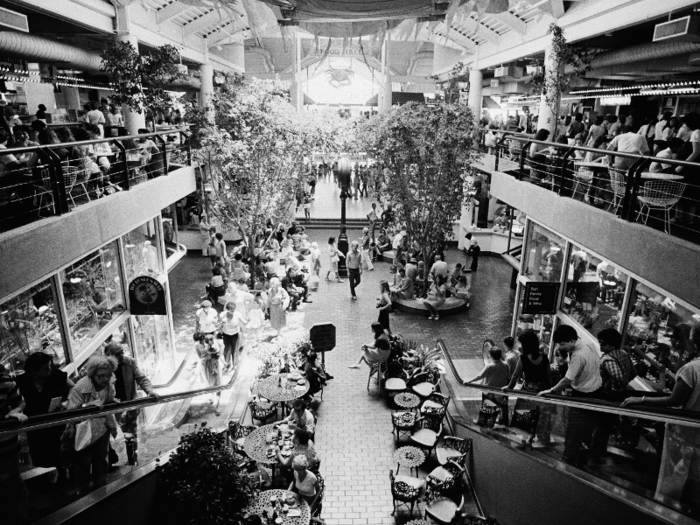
(642, 87)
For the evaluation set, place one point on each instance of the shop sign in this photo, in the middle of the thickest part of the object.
(621, 100)
(540, 298)
(322, 337)
(146, 296)
(495, 82)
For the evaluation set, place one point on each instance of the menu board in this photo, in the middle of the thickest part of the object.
(322, 337)
(540, 298)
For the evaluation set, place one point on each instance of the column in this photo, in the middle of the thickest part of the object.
(549, 104)
(133, 121)
(385, 91)
(476, 79)
(206, 91)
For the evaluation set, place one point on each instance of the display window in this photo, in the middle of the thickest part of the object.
(544, 258)
(658, 327)
(153, 346)
(142, 251)
(93, 294)
(595, 291)
(29, 323)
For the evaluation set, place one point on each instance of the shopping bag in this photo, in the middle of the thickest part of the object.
(89, 431)
(313, 282)
(119, 443)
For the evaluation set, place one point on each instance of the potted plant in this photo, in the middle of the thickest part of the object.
(201, 483)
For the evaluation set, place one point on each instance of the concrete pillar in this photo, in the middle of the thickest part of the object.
(206, 91)
(476, 78)
(296, 94)
(549, 104)
(385, 91)
(133, 121)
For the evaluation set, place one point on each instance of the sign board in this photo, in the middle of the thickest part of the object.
(540, 298)
(146, 296)
(494, 83)
(322, 337)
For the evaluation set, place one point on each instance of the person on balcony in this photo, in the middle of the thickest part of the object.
(628, 142)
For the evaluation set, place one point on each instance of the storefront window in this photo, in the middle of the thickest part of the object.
(93, 294)
(659, 328)
(154, 351)
(544, 257)
(141, 251)
(119, 335)
(29, 323)
(595, 291)
(541, 324)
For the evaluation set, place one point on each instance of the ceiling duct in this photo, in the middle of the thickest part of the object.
(643, 52)
(39, 49)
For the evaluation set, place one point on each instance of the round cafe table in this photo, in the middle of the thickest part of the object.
(407, 400)
(256, 445)
(270, 388)
(410, 457)
(419, 522)
(263, 501)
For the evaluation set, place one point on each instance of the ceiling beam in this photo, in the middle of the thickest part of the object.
(211, 20)
(511, 21)
(226, 31)
(170, 11)
(457, 38)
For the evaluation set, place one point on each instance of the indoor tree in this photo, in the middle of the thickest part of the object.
(139, 80)
(427, 152)
(258, 144)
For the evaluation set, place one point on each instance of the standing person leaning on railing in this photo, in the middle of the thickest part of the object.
(679, 477)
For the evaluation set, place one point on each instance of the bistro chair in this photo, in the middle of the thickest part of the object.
(82, 180)
(405, 490)
(395, 379)
(237, 434)
(453, 448)
(582, 176)
(436, 404)
(618, 183)
(317, 504)
(403, 423)
(261, 412)
(380, 370)
(70, 176)
(428, 433)
(443, 479)
(660, 195)
(443, 509)
(44, 190)
(425, 383)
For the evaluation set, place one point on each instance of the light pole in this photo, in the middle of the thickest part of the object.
(343, 174)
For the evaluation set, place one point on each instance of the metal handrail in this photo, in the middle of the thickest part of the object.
(79, 414)
(665, 415)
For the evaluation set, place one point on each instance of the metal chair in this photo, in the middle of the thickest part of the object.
(405, 490)
(583, 176)
(403, 422)
(453, 448)
(261, 413)
(237, 434)
(436, 404)
(317, 504)
(44, 189)
(443, 509)
(660, 195)
(379, 369)
(428, 434)
(70, 176)
(82, 180)
(618, 183)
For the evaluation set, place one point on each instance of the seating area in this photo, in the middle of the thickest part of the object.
(452, 305)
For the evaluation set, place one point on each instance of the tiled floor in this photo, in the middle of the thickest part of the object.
(354, 435)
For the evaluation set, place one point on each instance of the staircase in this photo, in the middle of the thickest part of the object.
(332, 224)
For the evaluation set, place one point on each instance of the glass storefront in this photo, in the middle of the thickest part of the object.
(90, 310)
(596, 295)
(92, 293)
(595, 290)
(544, 258)
(29, 323)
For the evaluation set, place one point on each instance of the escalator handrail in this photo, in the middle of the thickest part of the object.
(665, 415)
(178, 371)
(12, 426)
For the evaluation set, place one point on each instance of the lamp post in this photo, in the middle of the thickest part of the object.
(343, 174)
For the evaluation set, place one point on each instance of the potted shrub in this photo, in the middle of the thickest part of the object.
(201, 483)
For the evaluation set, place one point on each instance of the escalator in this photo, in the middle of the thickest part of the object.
(179, 408)
(641, 465)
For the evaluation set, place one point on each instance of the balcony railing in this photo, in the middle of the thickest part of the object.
(50, 180)
(661, 193)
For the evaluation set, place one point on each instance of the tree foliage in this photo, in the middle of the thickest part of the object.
(202, 484)
(426, 152)
(256, 144)
(139, 80)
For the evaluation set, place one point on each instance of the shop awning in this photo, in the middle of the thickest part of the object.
(489, 103)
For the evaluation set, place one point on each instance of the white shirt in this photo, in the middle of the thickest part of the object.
(660, 125)
(628, 143)
(440, 268)
(584, 368)
(663, 154)
(231, 326)
(207, 320)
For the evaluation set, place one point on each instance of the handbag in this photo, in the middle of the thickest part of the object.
(88, 432)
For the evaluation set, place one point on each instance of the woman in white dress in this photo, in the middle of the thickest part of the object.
(277, 304)
(334, 255)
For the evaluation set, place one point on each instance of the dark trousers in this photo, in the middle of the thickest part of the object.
(354, 278)
(230, 344)
(92, 464)
(580, 426)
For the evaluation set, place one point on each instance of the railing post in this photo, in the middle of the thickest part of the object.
(640, 166)
(631, 188)
(523, 153)
(124, 163)
(498, 150)
(562, 168)
(58, 183)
